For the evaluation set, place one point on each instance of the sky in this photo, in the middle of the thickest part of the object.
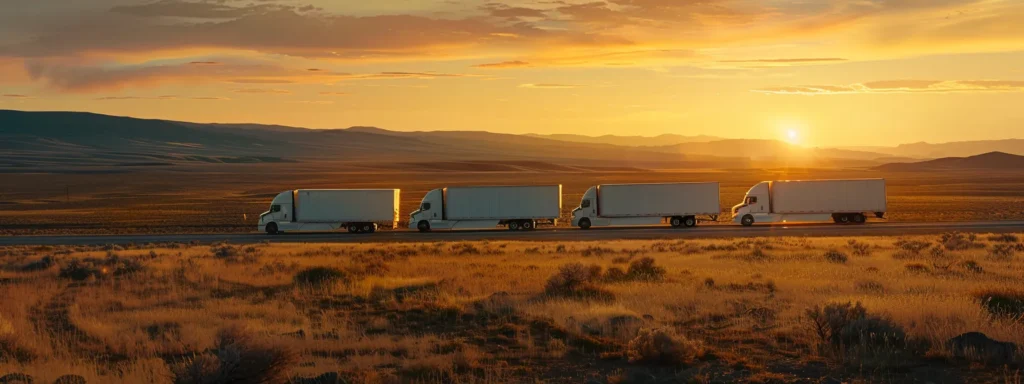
(816, 73)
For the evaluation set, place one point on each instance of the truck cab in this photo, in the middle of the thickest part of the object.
(587, 208)
(431, 209)
(757, 200)
(280, 212)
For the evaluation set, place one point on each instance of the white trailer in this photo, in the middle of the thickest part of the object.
(517, 207)
(679, 204)
(311, 210)
(790, 201)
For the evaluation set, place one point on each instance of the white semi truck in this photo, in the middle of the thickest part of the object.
(517, 207)
(790, 201)
(310, 210)
(678, 204)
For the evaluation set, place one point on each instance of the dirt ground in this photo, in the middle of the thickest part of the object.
(778, 310)
(229, 198)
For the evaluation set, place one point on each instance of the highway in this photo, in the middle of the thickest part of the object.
(552, 234)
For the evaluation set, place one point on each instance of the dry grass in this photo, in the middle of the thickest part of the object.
(758, 310)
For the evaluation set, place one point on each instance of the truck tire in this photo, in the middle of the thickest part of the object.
(366, 228)
(353, 228)
(843, 218)
(513, 225)
(527, 225)
(689, 221)
(675, 221)
(272, 229)
(584, 223)
(747, 220)
(423, 226)
(859, 218)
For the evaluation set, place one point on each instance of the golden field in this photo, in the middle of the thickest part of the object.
(229, 198)
(767, 310)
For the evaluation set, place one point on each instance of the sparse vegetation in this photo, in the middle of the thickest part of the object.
(834, 256)
(456, 312)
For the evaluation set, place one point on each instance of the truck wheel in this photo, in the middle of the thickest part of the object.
(689, 221)
(527, 225)
(352, 228)
(423, 226)
(843, 219)
(272, 229)
(366, 228)
(747, 220)
(676, 222)
(584, 223)
(513, 225)
(859, 218)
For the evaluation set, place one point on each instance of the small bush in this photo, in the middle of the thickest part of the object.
(916, 268)
(39, 265)
(662, 346)
(464, 249)
(869, 286)
(847, 330)
(237, 358)
(577, 281)
(112, 265)
(835, 256)
(645, 270)
(319, 276)
(859, 249)
(1003, 302)
(956, 241)
(596, 251)
(1002, 252)
(971, 266)
(1004, 238)
(615, 275)
(912, 246)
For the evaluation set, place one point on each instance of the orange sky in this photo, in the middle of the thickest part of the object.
(859, 72)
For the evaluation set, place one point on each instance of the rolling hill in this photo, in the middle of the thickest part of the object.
(987, 161)
(631, 141)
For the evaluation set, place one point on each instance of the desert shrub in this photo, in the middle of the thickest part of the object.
(937, 253)
(869, 286)
(956, 241)
(835, 256)
(464, 249)
(237, 358)
(46, 262)
(662, 346)
(621, 260)
(596, 251)
(615, 275)
(560, 248)
(11, 345)
(912, 246)
(319, 276)
(233, 254)
(112, 265)
(1002, 252)
(847, 330)
(1004, 238)
(1003, 302)
(709, 282)
(645, 270)
(971, 266)
(576, 281)
(859, 249)
(757, 253)
(916, 268)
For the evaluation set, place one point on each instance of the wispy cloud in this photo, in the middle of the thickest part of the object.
(899, 86)
(788, 61)
(504, 64)
(164, 97)
(264, 91)
(550, 86)
(17, 96)
(334, 93)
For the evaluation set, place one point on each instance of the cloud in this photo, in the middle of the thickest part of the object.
(17, 96)
(320, 102)
(504, 64)
(166, 97)
(193, 9)
(204, 63)
(787, 61)
(334, 93)
(264, 91)
(512, 12)
(900, 86)
(550, 86)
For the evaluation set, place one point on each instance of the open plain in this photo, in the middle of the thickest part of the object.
(770, 310)
(228, 198)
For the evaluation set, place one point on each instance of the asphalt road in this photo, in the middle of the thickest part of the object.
(555, 234)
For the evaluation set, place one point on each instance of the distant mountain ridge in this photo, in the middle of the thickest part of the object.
(632, 141)
(985, 161)
(49, 140)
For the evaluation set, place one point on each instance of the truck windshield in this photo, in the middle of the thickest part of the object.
(585, 204)
(425, 207)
